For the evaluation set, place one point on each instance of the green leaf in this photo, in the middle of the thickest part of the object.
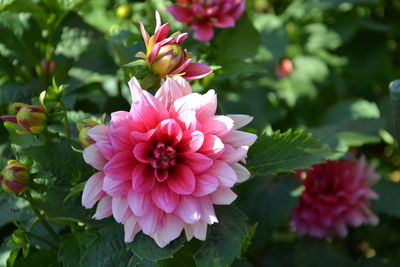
(40, 258)
(317, 253)
(13, 208)
(107, 250)
(18, 137)
(69, 251)
(389, 198)
(145, 248)
(285, 152)
(224, 240)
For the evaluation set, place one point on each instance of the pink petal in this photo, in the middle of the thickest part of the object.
(217, 125)
(142, 152)
(145, 35)
(224, 21)
(181, 14)
(239, 138)
(99, 133)
(241, 172)
(203, 33)
(103, 209)
(140, 204)
(120, 208)
(205, 185)
(116, 188)
(205, 105)
(223, 196)
(120, 166)
(141, 136)
(191, 142)
(196, 71)
(92, 156)
(131, 228)
(181, 180)
(197, 162)
(172, 89)
(212, 147)
(164, 198)
(169, 132)
(189, 209)
(240, 120)
(151, 221)
(120, 139)
(189, 120)
(232, 155)
(171, 229)
(143, 178)
(207, 211)
(93, 190)
(224, 173)
(199, 230)
(161, 33)
(105, 148)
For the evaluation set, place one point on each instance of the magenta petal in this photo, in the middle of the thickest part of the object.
(197, 162)
(212, 146)
(161, 33)
(116, 188)
(164, 198)
(191, 142)
(224, 21)
(142, 152)
(143, 178)
(203, 33)
(12, 119)
(169, 132)
(196, 71)
(181, 14)
(120, 166)
(181, 180)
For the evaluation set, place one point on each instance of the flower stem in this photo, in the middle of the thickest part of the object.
(44, 222)
(39, 238)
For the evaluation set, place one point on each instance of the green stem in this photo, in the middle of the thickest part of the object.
(44, 222)
(39, 238)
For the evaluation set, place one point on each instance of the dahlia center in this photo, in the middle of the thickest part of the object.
(163, 159)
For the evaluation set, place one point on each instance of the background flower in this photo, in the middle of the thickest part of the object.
(203, 16)
(336, 195)
(165, 163)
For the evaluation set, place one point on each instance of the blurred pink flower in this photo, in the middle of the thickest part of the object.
(285, 68)
(165, 163)
(165, 55)
(203, 16)
(336, 195)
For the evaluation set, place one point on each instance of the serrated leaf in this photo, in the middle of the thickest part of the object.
(108, 250)
(285, 152)
(389, 198)
(145, 248)
(69, 252)
(317, 253)
(224, 240)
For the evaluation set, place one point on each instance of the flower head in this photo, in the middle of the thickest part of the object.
(15, 177)
(165, 163)
(165, 55)
(30, 117)
(203, 16)
(336, 196)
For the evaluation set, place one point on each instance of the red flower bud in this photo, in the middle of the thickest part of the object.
(15, 177)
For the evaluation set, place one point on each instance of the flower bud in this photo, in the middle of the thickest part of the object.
(19, 237)
(15, 177)
(32, 118)
(168, 58)
(285, 68)
(83, 128)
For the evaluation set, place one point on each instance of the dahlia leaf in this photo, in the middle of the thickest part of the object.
(69, 252)
(39, 258)
(285, 152)
(389, 197)
(144, 247)
(224, 240)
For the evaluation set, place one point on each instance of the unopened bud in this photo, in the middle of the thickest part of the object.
(19, 237)
(83, 128)
(167, 59)
(285, 68)
(15, 177)
(32, 118)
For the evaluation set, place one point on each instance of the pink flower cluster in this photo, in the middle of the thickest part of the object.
(205, 15)
(336, 195)
(163, 165)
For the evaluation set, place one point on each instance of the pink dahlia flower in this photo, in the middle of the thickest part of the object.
(163, 165)
(336, 195)
(203, 16)
(165, 55)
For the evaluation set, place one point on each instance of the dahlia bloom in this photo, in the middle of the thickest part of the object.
(165, 163)
(336, 196)
(203, 16)
(165, 55)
